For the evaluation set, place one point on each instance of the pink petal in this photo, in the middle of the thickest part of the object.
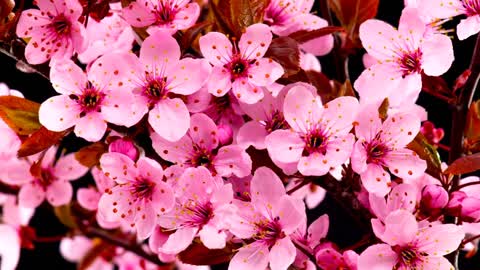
(31, 18)
(329, 259)
(400, 228)
(216, 48)
(246, 92)
(265, 72)
(123, 108)
(440, 9)
(145, 221)
(31, 195)
(189, 76)
(339, 115)
(75, 248)
(203, 131)
(163, 197)
(170, 113)
(113, 71)
(411, 25)
(434, 46)
(91, 127)
(309, 61)
(79, 37)
(88, 198)
(252, 133)
(286, 210)
(314, 164)
(403, 196)
(34, 53)
(405, 90)
(179, 240)
(187, 16)
(377, 38)
(255, 41)
(405, 163)
(318, 230)
(285, 146)
(67, 77)
(212, 238)
(359, 157)
(318, 46)
(254, 256)
(176, 152)
(219, 82)
(47, 6)
(440, 239)
(339, 150)
(301, 108)
(372, 82)
(118, 167)
(368, 122)
(232, 159)
(58, 113)
(223, 195)
(376, 180)
(59, 193)
(282, 254)
(400, 129)
(377, 257)
(137, 15)
(265, 188)
(9, 247)
(159, 50)
(114, 207)
(468, 27)
(437, 263)
(68, 168)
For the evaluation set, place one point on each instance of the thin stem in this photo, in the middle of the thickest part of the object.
(303, 183)
(7, 189)
(443, 147)
(42, 73)
(467, 184)
(49, 239)
(310, 256)
(468, 240)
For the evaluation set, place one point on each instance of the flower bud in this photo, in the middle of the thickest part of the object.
(225, 134)
(434, 198)
(471, 209)
(124, 146)
(454, 206)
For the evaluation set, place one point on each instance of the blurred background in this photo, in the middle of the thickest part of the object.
(342, 231)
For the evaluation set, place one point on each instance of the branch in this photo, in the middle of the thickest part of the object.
(7, 189)
(20, 60)
(310, 256)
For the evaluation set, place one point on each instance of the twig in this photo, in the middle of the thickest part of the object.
(467, 184)
(468, 240)
(303, 183)
(7, 189)
(4, 51)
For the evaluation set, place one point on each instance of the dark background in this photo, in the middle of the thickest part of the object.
(342, 232)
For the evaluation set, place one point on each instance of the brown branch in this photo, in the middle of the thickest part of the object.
(20, 60)
(7, 189)
(303, 183)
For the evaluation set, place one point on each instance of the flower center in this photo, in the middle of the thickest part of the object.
(238, 67)
(276, 14)
(46, 178)
(199, 213)
(156, 88)
(269, 231)
(409, 257)
(472, 7)
(90, 100)
(411, 63)
(61, 25)
(202, 157)
(315, 143)
(276, 122)
(165, 13)
(376, 151)
(142, 189)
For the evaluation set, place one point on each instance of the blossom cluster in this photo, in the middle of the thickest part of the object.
(216, 146)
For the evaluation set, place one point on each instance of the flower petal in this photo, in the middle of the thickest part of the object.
(216, 48)
(169, 113)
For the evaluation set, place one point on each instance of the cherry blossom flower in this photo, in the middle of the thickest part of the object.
(447, 9)
(54, 30)
(288, 16)
(270, 220)
(401, 57)
(52, 182)
(382, 145)
(162, 79)
(199, 147)
(74, 249)
(240, 67)
(140, 194)
(89, 101)
(312, 194)
(310, 238)
(319, 137)
(203, 208)
(409, 246)
(167, 15)
(330, 259)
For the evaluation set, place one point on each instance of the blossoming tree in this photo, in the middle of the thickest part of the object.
(191, 134)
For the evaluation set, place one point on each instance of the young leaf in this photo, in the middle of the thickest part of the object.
(39, 141)
(426, 152)
(198, 254)
(246, 12)
(20, 114)
(89, 156)
(285, 51)
(303, 36)
(65, 216)
(466, 164)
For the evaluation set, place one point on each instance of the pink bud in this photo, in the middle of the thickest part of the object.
(434, 198)
(225, 134)
(454, 206)
(433, 135)
(124, 146)
(471, 209)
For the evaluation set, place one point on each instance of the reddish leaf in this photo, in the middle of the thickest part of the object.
(20, 114)
(426, 152)
(352, 13)
(39, 141)
(89, 156)
(285, 51)
(6, 6)
(65, 216)
(435, 84)
(383, 109)
(220, 13)
(303, 36)
(198, 254)
(466, 164)
(472, 128)
(191, 34)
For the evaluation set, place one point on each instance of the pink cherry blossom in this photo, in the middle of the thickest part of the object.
(199, 147)
(312, 194)
(286, 17)
(140, 194)
(124, 146)
(408, 246)
(240, 67)
(202, 209)
(330, 259)
(310, 238)
(75, 249)
(111, 34)
(270, 220)
(382, 145)
(162, 78)
(401, 57)
(319, 138)
(53, 182)
(166, 15)
(89, 101)
(54, 30)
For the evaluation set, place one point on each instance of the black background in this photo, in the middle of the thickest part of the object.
(342, 232)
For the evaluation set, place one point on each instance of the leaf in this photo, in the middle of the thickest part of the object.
(383, 109)
(466, 164)
(198, 254)
(89, 155)
(285, 51)
(65, 216)
(435, 85)
(472, 128)
(303, 36)
(6, 6)
(352, 13)
(20, 114)
(190, 35)
(426, 152)
(39, 141)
